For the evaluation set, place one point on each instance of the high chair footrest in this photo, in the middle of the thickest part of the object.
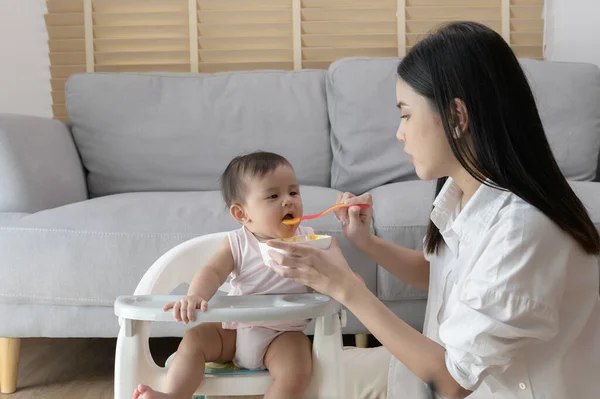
(235, 385)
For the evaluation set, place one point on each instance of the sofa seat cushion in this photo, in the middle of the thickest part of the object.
(90, 252)
(401, 215)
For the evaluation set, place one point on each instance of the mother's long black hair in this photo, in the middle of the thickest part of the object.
(505, 141)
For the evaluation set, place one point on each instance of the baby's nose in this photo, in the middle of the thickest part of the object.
(287, 200)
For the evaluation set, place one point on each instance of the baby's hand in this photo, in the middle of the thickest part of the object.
(185, 308)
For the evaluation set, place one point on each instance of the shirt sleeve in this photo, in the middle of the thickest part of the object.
(508, 300)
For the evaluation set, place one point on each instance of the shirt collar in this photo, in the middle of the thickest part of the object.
(468, 225)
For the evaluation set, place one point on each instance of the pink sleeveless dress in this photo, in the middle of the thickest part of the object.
(251, 276)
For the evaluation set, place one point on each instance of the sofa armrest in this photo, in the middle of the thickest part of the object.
(39, 165)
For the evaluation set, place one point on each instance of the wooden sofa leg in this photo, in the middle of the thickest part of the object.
(9, 364)
(361, 340)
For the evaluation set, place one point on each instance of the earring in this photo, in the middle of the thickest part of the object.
(457, 132)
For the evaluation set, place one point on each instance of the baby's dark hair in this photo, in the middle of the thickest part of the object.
(255, 164)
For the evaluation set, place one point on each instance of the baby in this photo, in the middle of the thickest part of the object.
(261, 191)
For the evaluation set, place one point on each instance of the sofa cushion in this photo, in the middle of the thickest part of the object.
(568, 99)
(361, 98)
(364, 120)
(401, 215)
(90, 252)
(177, 132)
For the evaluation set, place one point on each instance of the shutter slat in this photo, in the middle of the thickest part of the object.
(238, 5)
(144, 68)
(141, 45)
(212, 67)
(245, 30)
(350, 40)
(452, 13)
(344, 28)
(64, 6)
(245, 43)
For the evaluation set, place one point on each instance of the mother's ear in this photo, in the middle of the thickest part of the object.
(460, 119)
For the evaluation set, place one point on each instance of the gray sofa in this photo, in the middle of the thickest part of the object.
(86, 209)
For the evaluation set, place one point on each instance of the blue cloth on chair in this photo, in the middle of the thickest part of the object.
(226, 369)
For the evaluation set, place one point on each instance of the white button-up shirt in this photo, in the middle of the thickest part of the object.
(513, 299)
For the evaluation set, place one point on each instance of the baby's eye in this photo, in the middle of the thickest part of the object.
(274, 196)
(405, 117)
(294, 193)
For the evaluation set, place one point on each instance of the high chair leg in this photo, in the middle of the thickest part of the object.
(9, 364)
(327, 381)
(133, 362)
(362, 340)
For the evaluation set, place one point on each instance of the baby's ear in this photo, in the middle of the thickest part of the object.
(239, 213)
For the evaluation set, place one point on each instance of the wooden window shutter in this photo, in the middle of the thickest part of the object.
(232, 35)
(527, 28)
(66, 43)
(141, 35)
(334, 29)
(238, 35)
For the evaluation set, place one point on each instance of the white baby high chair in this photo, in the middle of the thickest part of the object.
(134, 363)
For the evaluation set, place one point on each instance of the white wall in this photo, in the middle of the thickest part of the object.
(573, 30)
(24, 65)
(572, 34)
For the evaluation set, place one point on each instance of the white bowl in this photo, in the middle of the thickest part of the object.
(315, 241)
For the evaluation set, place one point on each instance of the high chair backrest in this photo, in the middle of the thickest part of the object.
(179, 264)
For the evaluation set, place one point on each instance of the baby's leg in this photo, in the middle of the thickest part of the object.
(289, 360)
(207, 342)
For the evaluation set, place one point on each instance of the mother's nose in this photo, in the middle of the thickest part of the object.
(400, 133)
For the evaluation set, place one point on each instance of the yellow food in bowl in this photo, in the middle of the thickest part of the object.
(303, 238)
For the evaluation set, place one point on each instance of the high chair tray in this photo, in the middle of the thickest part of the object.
(230, 308)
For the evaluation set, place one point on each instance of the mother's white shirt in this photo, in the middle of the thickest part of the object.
(513, 299)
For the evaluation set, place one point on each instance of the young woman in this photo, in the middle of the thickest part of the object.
(510, 256)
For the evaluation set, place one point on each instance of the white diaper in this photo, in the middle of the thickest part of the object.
(251, 346)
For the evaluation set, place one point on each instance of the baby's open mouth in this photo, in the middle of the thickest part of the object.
(288, 216)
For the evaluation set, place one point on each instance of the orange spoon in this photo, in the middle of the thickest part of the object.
(316, 215)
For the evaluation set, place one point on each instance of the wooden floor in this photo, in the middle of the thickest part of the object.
(65, 368)
(82, 368)
(57, 368)
(73, 368)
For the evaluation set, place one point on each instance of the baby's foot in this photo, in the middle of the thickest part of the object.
(145, 392)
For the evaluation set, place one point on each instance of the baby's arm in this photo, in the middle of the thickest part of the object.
(210, 277)
(204, 284)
